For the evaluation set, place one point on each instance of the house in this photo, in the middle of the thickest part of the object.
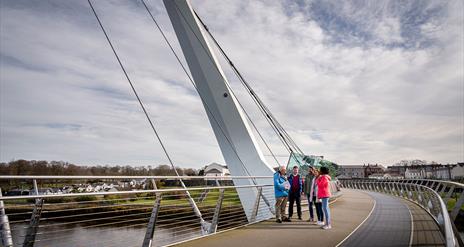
(380, 176)
(89, 188)
(443, 172)
(111, 190)
(97, 188)
(450, 171)
(216, 170)
(417, 173)
(352, 171)
(372, 169)
(43, 191)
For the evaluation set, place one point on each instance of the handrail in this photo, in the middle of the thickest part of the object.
(169, 212)
(127, 177)
(366, 184)
(6, 198)
(406, 179)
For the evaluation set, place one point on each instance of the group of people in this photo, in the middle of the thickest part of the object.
(315, 187)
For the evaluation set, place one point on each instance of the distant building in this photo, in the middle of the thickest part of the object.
(443, 172)
(216, 170)
(352, 171)
(428, 171)
(361, 171)
(450, 171)
(411, 173)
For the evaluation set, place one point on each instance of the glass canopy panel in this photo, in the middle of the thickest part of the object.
(304, 161)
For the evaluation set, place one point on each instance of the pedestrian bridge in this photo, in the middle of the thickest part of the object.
(157, 211)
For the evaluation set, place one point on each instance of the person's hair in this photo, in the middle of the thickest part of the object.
(295, 167)
(324, 170)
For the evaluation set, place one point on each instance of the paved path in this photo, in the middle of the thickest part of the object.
(389, 225)
(347, 213)
(426, 230)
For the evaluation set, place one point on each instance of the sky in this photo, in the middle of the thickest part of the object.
(355, 81)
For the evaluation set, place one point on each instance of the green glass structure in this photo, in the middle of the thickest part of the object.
(305, 161)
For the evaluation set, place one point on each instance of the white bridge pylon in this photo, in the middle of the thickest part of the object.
(238, 145)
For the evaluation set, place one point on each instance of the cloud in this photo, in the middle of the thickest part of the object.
(355, 81)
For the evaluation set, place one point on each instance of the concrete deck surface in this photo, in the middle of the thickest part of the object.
(347, 213)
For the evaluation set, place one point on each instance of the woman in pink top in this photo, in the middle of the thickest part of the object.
(323, 193)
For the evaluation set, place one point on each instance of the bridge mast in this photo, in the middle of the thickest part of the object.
(238, 145)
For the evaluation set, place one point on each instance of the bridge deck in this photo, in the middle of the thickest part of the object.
(388, 221)
(347, 213)
(390, 224)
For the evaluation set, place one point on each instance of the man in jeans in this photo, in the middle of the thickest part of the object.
(281, 187)
(296, 188)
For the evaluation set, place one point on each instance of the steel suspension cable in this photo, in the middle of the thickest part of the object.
(192, 202)
(132, 87)
(266, 112)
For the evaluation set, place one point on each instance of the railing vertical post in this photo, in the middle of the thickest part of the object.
(217, 210)
(443, 188)
(256, 206)
(457, 207)
(409, 191)
(150, 233)
(448, 195)
(31, 232)
(5, 230)
(420, 197)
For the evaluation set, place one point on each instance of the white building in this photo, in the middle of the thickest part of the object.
(415, 173)
(216, 170)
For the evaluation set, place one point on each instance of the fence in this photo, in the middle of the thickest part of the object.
(425, 193)
(150, 216)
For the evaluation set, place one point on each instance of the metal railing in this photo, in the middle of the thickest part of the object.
(425, 193)
(152, 216)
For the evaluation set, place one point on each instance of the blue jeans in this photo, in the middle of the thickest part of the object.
(326, 209)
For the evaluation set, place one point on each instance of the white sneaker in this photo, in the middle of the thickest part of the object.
(320, 223)
(327, 227)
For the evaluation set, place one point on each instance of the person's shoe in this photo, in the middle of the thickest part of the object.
(327, 227)
(320, 223)
(286, 219)
(310, 220)
(299, 217)
(279, 221)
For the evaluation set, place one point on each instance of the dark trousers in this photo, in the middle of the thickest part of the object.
(292, 197)
(310, 204)
(320, 214)
(318, 205)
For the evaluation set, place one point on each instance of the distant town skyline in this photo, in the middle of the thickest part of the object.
(357, 83)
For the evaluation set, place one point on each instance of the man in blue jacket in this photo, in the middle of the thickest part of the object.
(296, 188)
(281, 187)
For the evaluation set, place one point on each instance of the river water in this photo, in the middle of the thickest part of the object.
(80, 236)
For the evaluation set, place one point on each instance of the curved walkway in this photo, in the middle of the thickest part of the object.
(347, 213)
(389, 225)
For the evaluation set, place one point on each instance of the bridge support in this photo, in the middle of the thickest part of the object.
(5, 230)
(238, 145)
(256, 206)
(150, 233)
(31, 232)
(448, 195)
(217, 210)
(457, 207)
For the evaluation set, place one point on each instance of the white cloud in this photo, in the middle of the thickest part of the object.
(356, 82)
